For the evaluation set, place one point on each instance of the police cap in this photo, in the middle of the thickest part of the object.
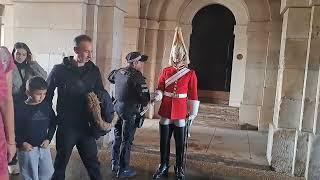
(136, 56)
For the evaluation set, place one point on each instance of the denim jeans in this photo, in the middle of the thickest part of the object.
(36, 164)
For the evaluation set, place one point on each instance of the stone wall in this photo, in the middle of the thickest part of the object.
(294, 130)
(49, 27)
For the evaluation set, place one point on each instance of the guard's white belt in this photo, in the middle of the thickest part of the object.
(174, 95)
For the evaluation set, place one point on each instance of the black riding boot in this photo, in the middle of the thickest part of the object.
(165, 136)
(179, 135)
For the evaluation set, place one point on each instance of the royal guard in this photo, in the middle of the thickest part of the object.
(177, 91)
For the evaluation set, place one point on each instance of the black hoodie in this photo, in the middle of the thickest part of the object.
(73, 83)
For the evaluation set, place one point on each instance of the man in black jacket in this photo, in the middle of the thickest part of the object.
(74, 78)
(131, 93)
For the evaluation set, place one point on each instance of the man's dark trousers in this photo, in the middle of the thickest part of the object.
(66, 139)
(124, 131)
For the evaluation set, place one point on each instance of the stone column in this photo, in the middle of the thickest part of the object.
(250, 108)
(110, 36)
(131, 36)
(92, 23)
(270, 76)
(150, 49)
(1, 24)
(131, 29)
(310, 121)
(238, 65)
(7, 24)
(284, 132)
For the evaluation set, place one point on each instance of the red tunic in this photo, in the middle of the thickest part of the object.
(176, 108)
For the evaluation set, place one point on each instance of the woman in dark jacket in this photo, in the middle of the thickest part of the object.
(24, 70)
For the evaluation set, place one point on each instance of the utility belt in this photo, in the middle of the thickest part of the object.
(134, 108)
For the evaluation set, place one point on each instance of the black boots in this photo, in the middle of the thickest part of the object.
(162, 171)
(165, 136)
(179, 135)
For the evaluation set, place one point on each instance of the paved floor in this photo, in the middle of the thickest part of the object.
(213, 153)
(241, 146)
(145, 164)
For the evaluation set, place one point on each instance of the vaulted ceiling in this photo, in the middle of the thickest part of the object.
(171, 10)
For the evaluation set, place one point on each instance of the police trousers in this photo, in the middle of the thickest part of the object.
(66, 139)
(124, 131)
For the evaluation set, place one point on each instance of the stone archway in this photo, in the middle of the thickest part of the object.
(241, 14)
(253, 31)
(211, 52)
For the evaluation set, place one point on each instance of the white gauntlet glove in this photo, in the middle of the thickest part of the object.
(193, 107)
(158, 95)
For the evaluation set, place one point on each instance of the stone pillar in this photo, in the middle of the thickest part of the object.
(8, 24)
(238, 65)
(254, 73)
(311, 91)
(131, 37)
(142, 35)
(270, 77)
(150, 49)
(305, 144)
(131, 28)
(271, 69)
(1, 24)
(310, 121)
(110, 36)
(301, 42)
(92, 23)
(285, 135)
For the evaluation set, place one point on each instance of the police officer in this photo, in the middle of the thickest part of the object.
(131, 93)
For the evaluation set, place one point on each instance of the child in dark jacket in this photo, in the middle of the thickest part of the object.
(35, 127)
